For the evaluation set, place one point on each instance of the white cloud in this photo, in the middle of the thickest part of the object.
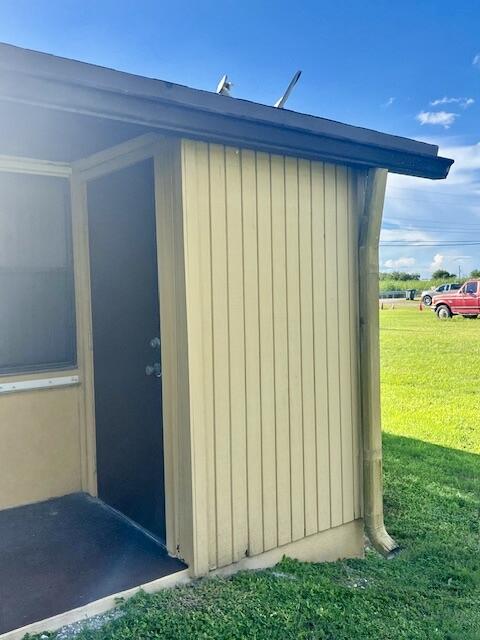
(442, 118)
(437, 211)
(399, 263)
(465, 169)
(438, 261)
(476, 61)
(461, 187)
(404, 235)
(389, 102)
(462, 102)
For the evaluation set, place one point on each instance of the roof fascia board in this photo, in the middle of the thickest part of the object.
(192, 122)
(80, 73)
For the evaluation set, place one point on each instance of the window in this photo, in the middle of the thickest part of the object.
(455, 286)
(442, 288)
(37, 307)
(471, 287)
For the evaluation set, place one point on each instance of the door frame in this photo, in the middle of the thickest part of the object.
(159, 149)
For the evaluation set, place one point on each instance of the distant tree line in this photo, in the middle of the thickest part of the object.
(399, 275)
(439, 274)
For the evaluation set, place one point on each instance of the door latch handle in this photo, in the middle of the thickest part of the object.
(154, 370)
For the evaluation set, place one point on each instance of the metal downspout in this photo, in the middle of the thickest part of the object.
(370, 224)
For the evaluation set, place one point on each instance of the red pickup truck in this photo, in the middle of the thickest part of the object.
(465, 301)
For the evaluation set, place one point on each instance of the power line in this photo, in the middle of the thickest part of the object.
(401, 216)
(453, 202)
(418, 219)
(427, 225)
(439, 192)
(430, 231)
(443, 194)
(439, 244)
(433, 241)
(430, 220)
(406, 241)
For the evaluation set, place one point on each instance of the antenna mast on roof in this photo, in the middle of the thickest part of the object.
(280, 103)
(224, 86)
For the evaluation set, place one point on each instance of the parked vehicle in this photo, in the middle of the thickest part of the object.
(407, 294)
(465, 301)
(427, 296)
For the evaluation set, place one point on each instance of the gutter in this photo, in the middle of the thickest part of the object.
(370, 223)
(73, 72)
(44, 80)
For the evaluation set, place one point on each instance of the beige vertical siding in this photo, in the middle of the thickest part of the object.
(270, 264)
(40, 445)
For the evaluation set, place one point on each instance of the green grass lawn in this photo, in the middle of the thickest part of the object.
(431, 419)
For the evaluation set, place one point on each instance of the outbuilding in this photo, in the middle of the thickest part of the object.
(188, 335)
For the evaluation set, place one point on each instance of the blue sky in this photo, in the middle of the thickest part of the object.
(409, 68)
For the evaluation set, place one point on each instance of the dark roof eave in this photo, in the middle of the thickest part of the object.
(79, 87)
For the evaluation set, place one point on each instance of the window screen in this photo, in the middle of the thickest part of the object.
(37, 309)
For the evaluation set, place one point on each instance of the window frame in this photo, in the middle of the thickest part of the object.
(32, 166)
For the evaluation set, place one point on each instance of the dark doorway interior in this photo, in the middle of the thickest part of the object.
(63, 553)
(126, 330)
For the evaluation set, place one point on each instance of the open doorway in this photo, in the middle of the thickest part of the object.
(126, 344)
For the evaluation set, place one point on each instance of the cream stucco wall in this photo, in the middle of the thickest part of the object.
(40, 445)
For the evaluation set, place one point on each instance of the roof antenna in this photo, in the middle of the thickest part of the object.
(224, 86)
(280, 103)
